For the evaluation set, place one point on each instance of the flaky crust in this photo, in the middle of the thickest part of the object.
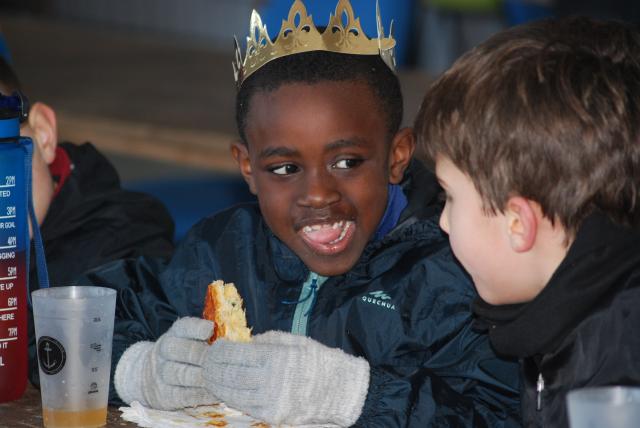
(224, 306)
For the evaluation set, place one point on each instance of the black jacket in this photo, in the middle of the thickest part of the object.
(405, 306)
(91, 221)
(582, 329)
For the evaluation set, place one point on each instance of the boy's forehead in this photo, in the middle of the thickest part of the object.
(321, 96)
(330, 145)
(339, 114)
(445, 169)
(317, 97)
(319, 86)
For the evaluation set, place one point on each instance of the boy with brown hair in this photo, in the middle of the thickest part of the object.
(360, 313)
(535, 137)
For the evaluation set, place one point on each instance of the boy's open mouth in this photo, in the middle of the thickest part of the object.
(328, 238)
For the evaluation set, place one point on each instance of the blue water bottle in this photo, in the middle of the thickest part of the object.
(15, 186)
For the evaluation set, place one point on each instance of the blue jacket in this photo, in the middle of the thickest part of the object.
(405, 307)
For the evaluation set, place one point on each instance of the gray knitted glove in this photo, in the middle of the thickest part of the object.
(283, 378)
(151, 372)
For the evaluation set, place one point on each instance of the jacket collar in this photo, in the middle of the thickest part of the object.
(60, 168)
(83, 191)
(595, 268)
(287, 264)
(423, 194)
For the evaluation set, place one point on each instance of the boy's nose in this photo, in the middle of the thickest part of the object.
(320, 190)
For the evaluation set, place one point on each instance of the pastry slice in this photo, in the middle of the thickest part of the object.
(223, 306)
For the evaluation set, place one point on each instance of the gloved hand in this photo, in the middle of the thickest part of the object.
(152, 372)
(284, 378)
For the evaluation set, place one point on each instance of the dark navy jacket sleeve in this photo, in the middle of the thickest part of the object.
(475, 390)
(151, 295)
(152, 292)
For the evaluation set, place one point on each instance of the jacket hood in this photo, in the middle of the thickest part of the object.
(422, 190)
(92, 176)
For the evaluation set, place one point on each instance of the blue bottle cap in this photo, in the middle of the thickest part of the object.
(14, 109)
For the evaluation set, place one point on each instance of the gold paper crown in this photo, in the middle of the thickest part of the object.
(304, 37)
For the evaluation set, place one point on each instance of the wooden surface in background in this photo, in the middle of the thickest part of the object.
(128, 92)
(207, 150)
(140, 93)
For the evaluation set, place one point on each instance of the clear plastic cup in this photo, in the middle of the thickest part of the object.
(606, 406)
(74, 330)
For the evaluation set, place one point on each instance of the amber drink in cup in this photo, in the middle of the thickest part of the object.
(74, 330)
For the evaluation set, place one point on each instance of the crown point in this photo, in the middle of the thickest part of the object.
(298, 34)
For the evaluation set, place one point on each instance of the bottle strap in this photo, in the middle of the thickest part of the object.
(41, 262)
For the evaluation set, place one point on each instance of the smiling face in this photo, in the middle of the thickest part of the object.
(319, 161)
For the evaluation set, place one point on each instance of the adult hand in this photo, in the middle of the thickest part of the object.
(284, 378)
(153, 372)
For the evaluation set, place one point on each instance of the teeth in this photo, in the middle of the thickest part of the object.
(343, 225)
(342, 234)
(336, 225)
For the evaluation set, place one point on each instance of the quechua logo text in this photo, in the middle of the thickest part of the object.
(379, 298)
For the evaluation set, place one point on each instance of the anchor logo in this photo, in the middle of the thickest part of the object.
(51, 355)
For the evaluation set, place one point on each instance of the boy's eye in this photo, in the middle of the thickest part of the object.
(347, 163)
(285, 169)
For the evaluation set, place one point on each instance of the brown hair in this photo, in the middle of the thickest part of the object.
(548, 111)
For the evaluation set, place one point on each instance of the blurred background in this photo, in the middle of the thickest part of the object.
(150, 83)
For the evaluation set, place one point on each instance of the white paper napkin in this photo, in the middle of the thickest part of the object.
(193, 417)
(196, 417)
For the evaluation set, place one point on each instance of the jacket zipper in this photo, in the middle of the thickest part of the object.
(539, 389)
(308, 295)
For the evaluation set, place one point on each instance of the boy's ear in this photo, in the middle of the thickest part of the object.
(402, 147)
(240, 153)
(522, 223)
(44, 129)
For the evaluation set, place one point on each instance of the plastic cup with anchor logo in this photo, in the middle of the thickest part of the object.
(74, 329)
(604, 407)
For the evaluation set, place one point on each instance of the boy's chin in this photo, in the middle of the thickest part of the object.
(496, 298)
(337, 266)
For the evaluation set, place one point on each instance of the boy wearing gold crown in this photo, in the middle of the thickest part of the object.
(360, 313)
